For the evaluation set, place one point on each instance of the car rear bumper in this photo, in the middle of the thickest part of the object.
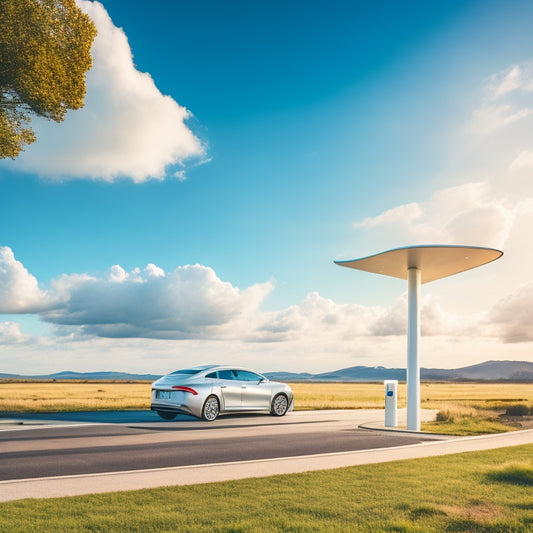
(182, 409)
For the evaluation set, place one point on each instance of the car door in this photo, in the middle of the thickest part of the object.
(255, 392)
(231, 389)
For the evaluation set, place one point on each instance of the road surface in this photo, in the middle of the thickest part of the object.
(88, 443)
(76, 454)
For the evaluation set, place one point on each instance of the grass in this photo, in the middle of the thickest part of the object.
(464, 408)
(89, 396)
(457, 420)
(513, 473)
(484, 396)
(472, 408)
(478, 492)
(342, 396)
(468, 425)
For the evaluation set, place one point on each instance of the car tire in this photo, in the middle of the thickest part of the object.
(280, 405)
(211, 409)
(166, 415)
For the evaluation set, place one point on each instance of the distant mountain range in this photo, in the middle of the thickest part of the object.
(489, 371)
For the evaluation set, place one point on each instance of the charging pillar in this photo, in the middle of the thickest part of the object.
(391, 403)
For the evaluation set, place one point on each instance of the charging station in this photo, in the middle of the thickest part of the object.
(421, 264)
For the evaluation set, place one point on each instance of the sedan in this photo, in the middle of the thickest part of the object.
(208, 391)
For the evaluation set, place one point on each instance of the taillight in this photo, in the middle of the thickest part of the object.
(185, 389)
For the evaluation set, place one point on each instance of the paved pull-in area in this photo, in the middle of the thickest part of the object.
(59, 457)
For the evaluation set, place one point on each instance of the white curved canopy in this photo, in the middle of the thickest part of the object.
(434, 261)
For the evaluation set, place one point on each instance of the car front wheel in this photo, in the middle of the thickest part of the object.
(280, 404)
(167, 415)
(211, 409)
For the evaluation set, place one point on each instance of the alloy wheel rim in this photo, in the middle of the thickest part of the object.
(211, 409)
(280, 405)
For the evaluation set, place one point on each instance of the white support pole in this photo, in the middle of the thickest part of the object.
(413, 336)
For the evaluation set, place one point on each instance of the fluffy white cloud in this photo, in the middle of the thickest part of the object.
(316, 317)
(190, 302)
(491, 118)
(10, 334)
(523, 160)
(403, 214)
(508, 80)
(505, 81)
(512, 315)
(467, 214)
(19, 290)
(127, 127)
(501, 126)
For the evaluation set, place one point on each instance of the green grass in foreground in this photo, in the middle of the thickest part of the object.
(478, 492)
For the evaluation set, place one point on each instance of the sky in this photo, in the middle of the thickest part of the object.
(229, 152)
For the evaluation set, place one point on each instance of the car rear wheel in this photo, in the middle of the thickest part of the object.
(211, 409)
(280, 404)
(167, 415)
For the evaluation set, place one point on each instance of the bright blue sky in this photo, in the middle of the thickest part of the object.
(314, 116)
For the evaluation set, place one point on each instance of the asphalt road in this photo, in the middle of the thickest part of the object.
(35, 446)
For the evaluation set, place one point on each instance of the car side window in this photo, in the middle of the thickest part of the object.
(213, 375)
(226, 374)
(245, 375)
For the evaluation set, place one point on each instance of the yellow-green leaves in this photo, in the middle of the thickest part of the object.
(45, 52)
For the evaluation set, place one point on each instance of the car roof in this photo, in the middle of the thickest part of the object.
(233, 367)
(210, 368)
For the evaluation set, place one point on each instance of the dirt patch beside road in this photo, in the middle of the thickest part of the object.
(520, 422)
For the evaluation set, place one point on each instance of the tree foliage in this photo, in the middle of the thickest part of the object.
(45, 52)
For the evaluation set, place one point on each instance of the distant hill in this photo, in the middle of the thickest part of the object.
(488, 371)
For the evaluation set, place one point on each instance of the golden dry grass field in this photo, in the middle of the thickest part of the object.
(88, 396)
(43, 397)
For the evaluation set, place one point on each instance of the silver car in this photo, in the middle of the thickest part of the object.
(210, 390)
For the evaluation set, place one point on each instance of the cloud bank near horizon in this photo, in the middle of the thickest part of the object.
(127, 128)
(193, 303)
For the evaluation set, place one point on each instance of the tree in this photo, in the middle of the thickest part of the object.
(45, 52)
